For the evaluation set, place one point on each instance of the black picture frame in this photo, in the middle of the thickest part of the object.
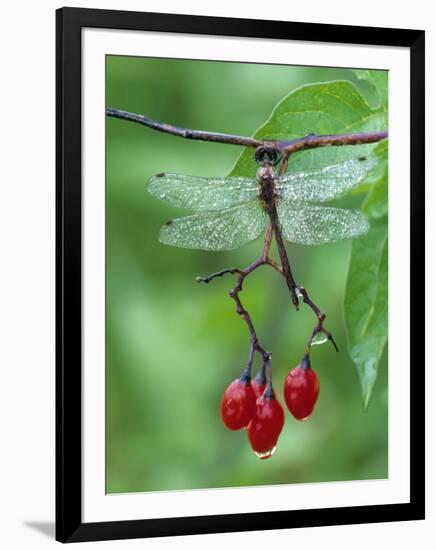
(69, 525)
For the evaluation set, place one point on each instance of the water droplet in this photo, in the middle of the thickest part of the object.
(299, 294)
(319, 339)
(266, 454)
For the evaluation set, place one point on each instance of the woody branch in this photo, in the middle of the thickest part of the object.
(310, 141)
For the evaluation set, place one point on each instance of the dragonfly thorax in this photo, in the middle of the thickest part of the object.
(267, 191)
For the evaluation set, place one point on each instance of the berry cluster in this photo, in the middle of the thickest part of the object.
(252, 404)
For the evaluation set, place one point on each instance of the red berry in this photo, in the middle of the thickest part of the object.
(238, 403)
(259, 383)
(301, 390)
(266, 425)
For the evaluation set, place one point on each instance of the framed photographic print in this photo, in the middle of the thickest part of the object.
(235, 348)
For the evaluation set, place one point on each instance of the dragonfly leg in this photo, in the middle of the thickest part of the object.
(267, 242)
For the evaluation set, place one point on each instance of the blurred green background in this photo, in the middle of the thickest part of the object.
(174, 345)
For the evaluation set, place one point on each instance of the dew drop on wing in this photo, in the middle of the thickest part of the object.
(202, 194)
(325, 183)
(311, 224)
(221, 230)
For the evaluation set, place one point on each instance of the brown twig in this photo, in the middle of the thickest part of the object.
(286, 267)
(310, 141)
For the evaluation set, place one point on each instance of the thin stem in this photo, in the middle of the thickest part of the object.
(250, 359)
(268, 370)
(213, 276)
(310, 141)
(242, 312)
(319, 327)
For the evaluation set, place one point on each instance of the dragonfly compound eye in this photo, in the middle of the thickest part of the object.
(267, 155)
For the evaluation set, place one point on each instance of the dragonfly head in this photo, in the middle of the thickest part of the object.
(267, 156)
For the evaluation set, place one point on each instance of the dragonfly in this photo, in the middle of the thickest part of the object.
(232, 211)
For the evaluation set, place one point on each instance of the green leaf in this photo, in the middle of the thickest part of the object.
(326, 108)
(376, 203)
(366, 304)
(378, 80)
(366, 296)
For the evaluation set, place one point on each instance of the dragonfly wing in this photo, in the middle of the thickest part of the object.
(223, 230)
(310, 224)
(203, 193)
(325, 184)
